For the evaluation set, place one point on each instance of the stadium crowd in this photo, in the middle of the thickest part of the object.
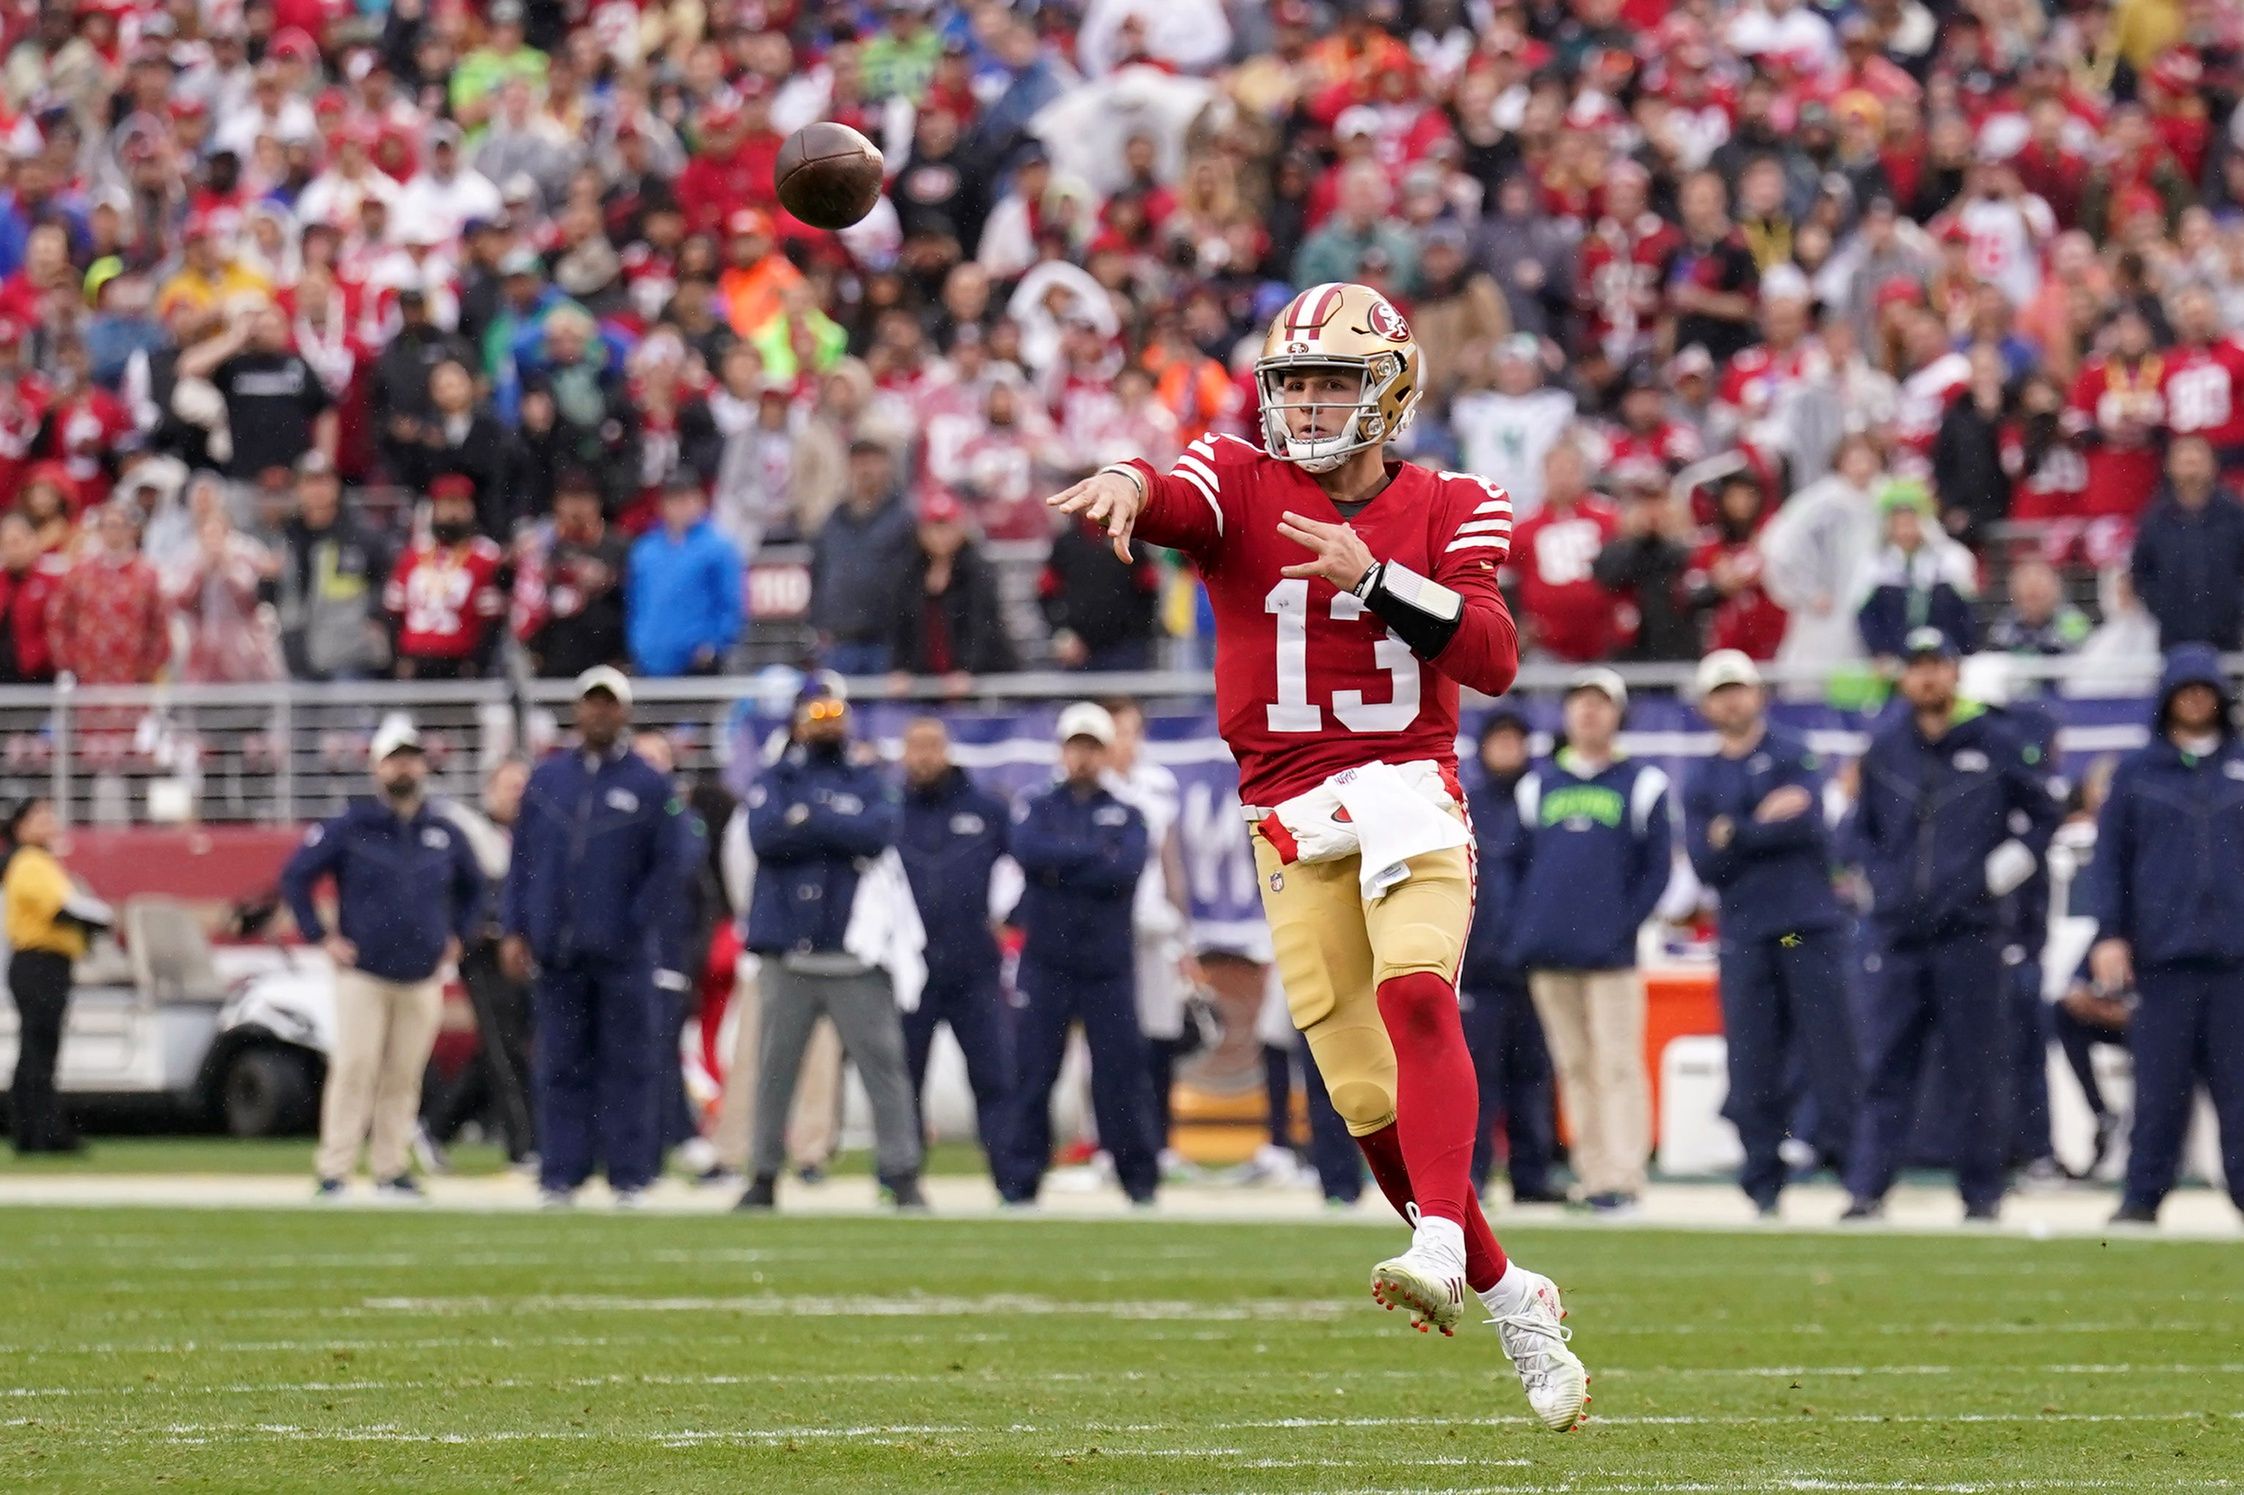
(1782, 323)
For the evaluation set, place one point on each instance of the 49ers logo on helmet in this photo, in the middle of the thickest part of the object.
(1387, 322)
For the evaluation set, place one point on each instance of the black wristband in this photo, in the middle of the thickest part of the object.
(1426, 634)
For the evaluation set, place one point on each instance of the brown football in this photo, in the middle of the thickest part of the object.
(828, 175)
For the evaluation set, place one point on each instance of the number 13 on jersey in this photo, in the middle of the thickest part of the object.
(1293, 711)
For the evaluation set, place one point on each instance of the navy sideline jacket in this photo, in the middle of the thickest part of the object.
(402, 886)
(1593, 858)
(602, 850)
(1774, 878)
(953, 834)
(1080, 853)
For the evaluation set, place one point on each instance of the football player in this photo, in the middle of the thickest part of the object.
(1353, 596)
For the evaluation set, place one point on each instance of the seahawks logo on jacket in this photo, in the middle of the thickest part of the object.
(1576, 807)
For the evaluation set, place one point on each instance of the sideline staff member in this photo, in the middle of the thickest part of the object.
(47, 919)
(601, 851)
(407, 892)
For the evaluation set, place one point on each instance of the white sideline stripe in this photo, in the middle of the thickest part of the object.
(1491, 542)
(928, 1306)
(987, 1379)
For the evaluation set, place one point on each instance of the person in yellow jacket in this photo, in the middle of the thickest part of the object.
(47, 917)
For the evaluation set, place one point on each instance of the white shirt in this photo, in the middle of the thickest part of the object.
(1505, 438)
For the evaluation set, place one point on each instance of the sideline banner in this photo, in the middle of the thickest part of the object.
(1011, 752)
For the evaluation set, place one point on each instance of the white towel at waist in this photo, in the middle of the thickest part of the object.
(1385, 812)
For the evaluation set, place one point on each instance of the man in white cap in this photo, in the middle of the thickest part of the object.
(407, 893)
(1592, 859)
(1081, 851)
(602, 849)
(1753, 824)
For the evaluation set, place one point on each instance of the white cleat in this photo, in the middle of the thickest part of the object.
(1526, 1311)
(1428, 1279)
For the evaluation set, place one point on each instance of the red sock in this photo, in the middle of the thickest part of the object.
(1437, 1106)
(1383, 1151)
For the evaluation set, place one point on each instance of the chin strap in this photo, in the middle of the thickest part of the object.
(1422, 613)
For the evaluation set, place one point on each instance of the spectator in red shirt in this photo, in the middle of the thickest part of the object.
(445, 593)
(1724, 580)
(2203, 382)
(108, 624)
(1563, 608)
(2116, 414)
(29, 579)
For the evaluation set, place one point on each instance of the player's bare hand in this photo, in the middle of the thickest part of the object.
(1107, 499)
(1342, 558)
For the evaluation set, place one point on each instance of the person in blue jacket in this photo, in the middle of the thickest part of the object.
(951, 840)
(1510, 1059)
(819, 819)
(684, 591)
(407, 894)
(1080, 850)
(1753, 824)
(1933, 830)
(1594, 853)
(1919, 579)
(602, 849)
(2167, 892)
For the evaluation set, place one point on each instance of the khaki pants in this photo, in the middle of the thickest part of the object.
(384, 1031)
(1595, 1023)
(1334, 949)
(814, 1124)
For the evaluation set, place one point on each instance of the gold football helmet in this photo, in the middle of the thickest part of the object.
(1348, 326)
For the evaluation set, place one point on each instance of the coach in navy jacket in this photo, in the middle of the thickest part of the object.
(1753, 823)
(819, 818)
(1954, 815)
(1511, 1060)
(953, 836)
(406, 885)
(2167, 890)
(407, 889)
(602, 850)
(1080, 850)
(1594, 854)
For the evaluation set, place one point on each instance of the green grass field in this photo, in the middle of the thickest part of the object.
(386, 1350)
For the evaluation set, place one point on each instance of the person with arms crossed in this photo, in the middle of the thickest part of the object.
(1353, 597)
(1753, 824)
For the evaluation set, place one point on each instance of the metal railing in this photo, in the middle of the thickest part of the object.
(214, 754)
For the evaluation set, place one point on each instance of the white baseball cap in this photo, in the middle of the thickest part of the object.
(1724, 667)
(1087, 719)
(395, 735)
(1605, 682)
(608, 678)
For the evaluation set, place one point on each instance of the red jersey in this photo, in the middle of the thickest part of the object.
(1669, 444)
(87, 429)
(2204, 392)
(27, 654)
(2118, 411)
(1568, 611)
(1307, 681)
(1749, 618)
(446, 598)
(2058, 484)
(1622, 280)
